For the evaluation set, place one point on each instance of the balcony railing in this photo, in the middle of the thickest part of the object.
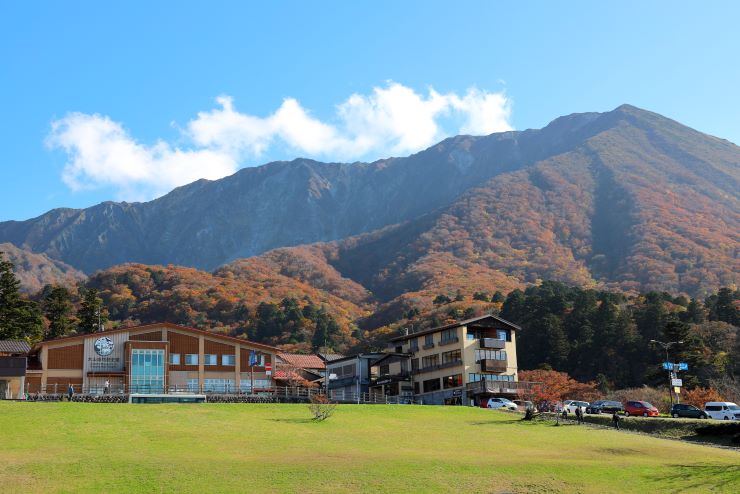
(427, 346)
(492, 343)
(499, 387)
(493, 365)
(448, 341)
(435, 367)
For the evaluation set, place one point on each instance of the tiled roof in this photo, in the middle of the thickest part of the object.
(14, 346)
(330, 357)
(302, 361)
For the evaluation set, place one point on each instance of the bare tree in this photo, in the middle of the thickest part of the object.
(321, 407)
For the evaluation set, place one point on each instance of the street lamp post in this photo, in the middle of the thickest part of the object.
(666, 346)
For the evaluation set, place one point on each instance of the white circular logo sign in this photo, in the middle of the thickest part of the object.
(104, 346)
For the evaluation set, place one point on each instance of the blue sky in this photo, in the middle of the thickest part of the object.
(119, 102)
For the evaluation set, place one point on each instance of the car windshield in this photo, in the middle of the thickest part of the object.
(734, 407)
(647, 404)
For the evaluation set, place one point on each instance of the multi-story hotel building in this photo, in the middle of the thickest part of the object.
(454, 364)
(150, 359)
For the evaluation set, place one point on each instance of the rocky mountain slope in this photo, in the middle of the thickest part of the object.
(625, 199)
(36, 270)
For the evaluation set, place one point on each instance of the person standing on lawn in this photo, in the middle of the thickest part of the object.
(579, 415)
(615, 420)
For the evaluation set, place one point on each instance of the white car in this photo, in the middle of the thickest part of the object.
(722, 410)
(570, 406)
(501, 403)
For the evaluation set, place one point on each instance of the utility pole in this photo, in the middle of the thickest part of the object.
(671, 373)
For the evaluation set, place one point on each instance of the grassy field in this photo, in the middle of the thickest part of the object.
(76, 447)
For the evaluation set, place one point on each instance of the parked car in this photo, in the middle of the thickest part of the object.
(525, 405)
(722, 410)
(640, 408)
(570, 406)
(501, 403)
(604, 406)
(690, 411)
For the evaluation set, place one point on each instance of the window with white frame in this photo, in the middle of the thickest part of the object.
(210, 359)
(175, 358)
(191, 359)
(219, 385)
(228, 359)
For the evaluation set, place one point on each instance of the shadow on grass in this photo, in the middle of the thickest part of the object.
(700, 477)
(497, 422)
(293, 421)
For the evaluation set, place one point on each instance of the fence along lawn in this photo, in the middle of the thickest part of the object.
(78, 447)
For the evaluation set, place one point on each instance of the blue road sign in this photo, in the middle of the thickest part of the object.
(667, 365)
(683, 366)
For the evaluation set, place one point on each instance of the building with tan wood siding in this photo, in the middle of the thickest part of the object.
(150, 359)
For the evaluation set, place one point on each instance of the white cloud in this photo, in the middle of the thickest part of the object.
(391, 120)
(101, 153)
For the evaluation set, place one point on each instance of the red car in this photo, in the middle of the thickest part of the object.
(640, 408)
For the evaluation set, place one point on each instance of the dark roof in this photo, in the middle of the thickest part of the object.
(456, 325)
(370, 355)
(166, 325)
(391, 355)
(330, 357)
(14, 346)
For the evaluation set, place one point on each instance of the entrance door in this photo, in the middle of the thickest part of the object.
(147, 371)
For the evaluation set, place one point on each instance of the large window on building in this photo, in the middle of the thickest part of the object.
(147, 371)
(175, 358)
(431, 385)
(414, 345)
(448, 335)
(228, 359)
(452, 381)
(191, 359)
(490, 355)
(452, 356)
(429, 361)
(414, 364)
(429, 340)
(210, 359)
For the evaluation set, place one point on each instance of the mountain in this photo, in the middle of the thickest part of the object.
(36, 270)
(626, 199)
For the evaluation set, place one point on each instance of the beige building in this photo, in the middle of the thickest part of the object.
(454, 364)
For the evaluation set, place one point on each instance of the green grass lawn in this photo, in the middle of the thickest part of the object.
(77, 447)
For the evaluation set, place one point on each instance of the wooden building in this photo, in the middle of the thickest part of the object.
(150, 359)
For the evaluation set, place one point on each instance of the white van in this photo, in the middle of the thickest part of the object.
(722, 410)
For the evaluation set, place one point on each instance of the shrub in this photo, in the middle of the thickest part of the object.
(699, 396)
(321, 407)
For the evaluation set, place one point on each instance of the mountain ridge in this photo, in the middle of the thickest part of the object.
(626, 198)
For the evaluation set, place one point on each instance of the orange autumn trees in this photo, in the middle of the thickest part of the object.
(557, 386)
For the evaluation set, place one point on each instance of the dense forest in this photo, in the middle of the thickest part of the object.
(593, 335)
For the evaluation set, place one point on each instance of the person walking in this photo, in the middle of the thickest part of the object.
(579, 415)
(106, 387)
(615, 420)
(70, 391)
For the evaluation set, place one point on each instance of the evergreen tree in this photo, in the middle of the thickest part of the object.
(92, 316)
(513, 308)
(498, 297)
(19, 318)
(694, 313)
(441, 299)
(459, 297)
(722, 307)
(57, 307)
